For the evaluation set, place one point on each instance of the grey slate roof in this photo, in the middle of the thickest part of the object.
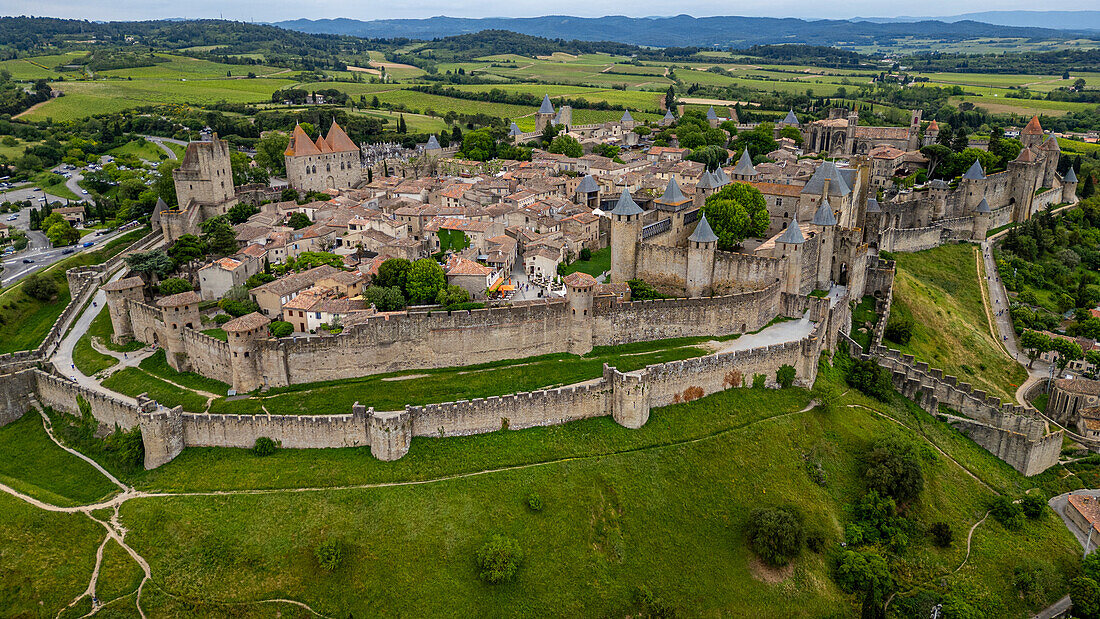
(433, 144)
(872, 206)
(161, 206)
(744, 165)
(672, 194)
(791, 119)
(792, 235)
(546, 107)
(707, 181)
(975, 172)
(1070, 177)
(627, 118)
(626, 205)
(710, 113)
(983, 207)
(938, 183)
(669, 115)
(588, 185)
(721, 176)
(703, 232)
(514, 129)
(837, 185)
(824, 215)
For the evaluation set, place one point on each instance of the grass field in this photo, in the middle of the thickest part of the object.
(12, 152)
(39, 67)
(1024, 107)
(939, 289)
(600, 262)
(141, 148)
(88, 360)
(417, 123)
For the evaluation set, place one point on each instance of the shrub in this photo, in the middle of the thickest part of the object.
(236, 308)
(221, 319)
(815, 541)
(758, 381)
(534, 501)
(899, 329)
(1009, 514)
(499, 559)
(892, 467)
(329, 554)
(586, 254)
(386, 299)
(174, 285)
(942, 535)
(869, 378)
(1085, 594)
(777, 534)
(785, 376)
(280, 328)
(1033, 506)
(39, 286)
(264, 446)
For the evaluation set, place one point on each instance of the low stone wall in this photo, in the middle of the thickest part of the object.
(61, 394)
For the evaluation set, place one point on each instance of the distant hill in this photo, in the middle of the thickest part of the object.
(678, 31)
(1064, 20)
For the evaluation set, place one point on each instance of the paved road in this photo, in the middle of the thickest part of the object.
(43, 255)
(159, 141)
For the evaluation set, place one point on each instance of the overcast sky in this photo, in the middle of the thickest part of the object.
(277, 10)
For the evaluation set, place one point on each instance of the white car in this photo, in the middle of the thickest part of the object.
(84, 191)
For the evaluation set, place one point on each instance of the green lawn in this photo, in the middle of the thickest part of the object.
(140, 148)
(87, 359)
(135, 381)
(52, 474)
(217, 333)
(157, 365)
(939, 289)
(600, 262)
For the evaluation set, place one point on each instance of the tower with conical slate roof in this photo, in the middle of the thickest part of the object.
(588, 192)
(790, 246)
(545, 115)
(825, 220)
(1069, 186)
(973, 186)
(626, 233)
(980, 226)
(702, 244)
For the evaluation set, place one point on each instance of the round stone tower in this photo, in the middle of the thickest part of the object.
(700, 259)
(789, 246)
(626, 233)
(119, 293)
(178, 311)
(825, 219)
(244, 334)
(1069, 186)
(980, 227)
(581, 289)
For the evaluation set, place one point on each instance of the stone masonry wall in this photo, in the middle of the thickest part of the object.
(208, 356)
(61, 394)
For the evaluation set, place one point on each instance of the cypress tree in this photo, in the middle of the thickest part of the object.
(1088, 189)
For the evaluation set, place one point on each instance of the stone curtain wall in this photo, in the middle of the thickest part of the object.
(209, 356)
(61, 394)
(146, 322)
(734, 269)
(16, 393)
(1047, 198)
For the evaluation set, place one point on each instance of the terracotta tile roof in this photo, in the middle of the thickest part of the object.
(248, 322)
(886, 152)
(580, 280)
(300, 144)
(464, 266)
(1033, 127)
(1087, 506)
(339, 141)
(253, 250)
(183, 298)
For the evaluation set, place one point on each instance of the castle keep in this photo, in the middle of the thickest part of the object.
(330, 162)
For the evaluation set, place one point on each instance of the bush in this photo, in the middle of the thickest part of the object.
(785, 376)
(258, 279)
(1009, 514)
(280, 328)
(1085, 594)
(1033, 505)
(776, 534)
(899, 329)
(815, 541)
(759, 381)
(329, 554)
(39, 286)
(942, 535)
(236, 308)
(892, 468)
(534, 501)
(499, 559)
(221, 319)
(264, 446)
(386, 299)
(586, 254)
(869, 378)
(174, 285)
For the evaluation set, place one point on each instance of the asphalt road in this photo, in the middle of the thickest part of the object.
(43, 255)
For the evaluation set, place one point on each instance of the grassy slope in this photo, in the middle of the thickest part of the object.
(52, 474)
(939, 288)
(600, 262)
(87, 359)
(649, 510)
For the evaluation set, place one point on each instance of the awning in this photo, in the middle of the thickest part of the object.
(496, 284)
(507, 288)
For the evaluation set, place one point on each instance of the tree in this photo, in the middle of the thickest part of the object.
(40, 287)
(1034, 345)
(1033, 505)
(385, 299)
(899, 328)
(776, 534)
(62, 233)
(264, 446)
(280, 328)
(892, 468)
(1068, 350)
(269, 152)
(711, 156)
(1006, 512)
(258, 279)
(186, 251)
(867, 575)
(174, 285)
(219, 237)
(942, 534)
(1085, 594)
(869, 378)
(425, 280)
(937, 154)
(150, 265)
(329, 554)
(241, 211)
(961, 140)
(759, 141)
(452, 295)
(566, 145)
(392, 273)
(785, 375)
(164, 186)
(737, 211)
(299, 221)
(499, 559)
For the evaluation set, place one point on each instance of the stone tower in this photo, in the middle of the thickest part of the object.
(931, 133)
(205, 175)
(1051, 154)
(588, 192)
(872, 222)
(700, 259)
(789, 244)
(914, 129)
(626, 233)
(744, 170)
(545, 114)
(118, 295)
(1032, 134)
(244, 334)
(1069, 186)
(581, 289)
(330, 162)
(825, 219)
(972, 186)
(629, 398)
(178, 311)
(707, 186)
(980, 227)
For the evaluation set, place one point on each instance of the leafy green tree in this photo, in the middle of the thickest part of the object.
(425, 280)
(777, 534)
(937, 154)
(280, 328)
(329, 554)
(386, 299)
(1068, 350)
(791, 133)
(186, 252)
(264, 446)
(1085, 595)
(40, 287)
(174, 285)
(150, 265)
(258, 279)
(759, 141)
(499, 559)
(164, 186)
(1034, 345)
(393, 272)
(785, 375)
(892, 467)
(607, 150)
(299, 221)
(479, 145)
(1004, 511)
(312, 259)
(566, 145)
(219, 237)
(869, 378)
(1033, 505)
(942, 534)
(867, 575)
(711, 156)
(735, 212)
(62, 233)
(452, 295)
(269, 152)
(241, 211)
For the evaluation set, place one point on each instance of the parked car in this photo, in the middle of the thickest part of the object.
(28, 261)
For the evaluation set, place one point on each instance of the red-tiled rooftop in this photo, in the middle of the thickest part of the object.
(183, 298)
(248, 322)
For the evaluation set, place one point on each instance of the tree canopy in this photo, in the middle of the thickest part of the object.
(735, 212)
